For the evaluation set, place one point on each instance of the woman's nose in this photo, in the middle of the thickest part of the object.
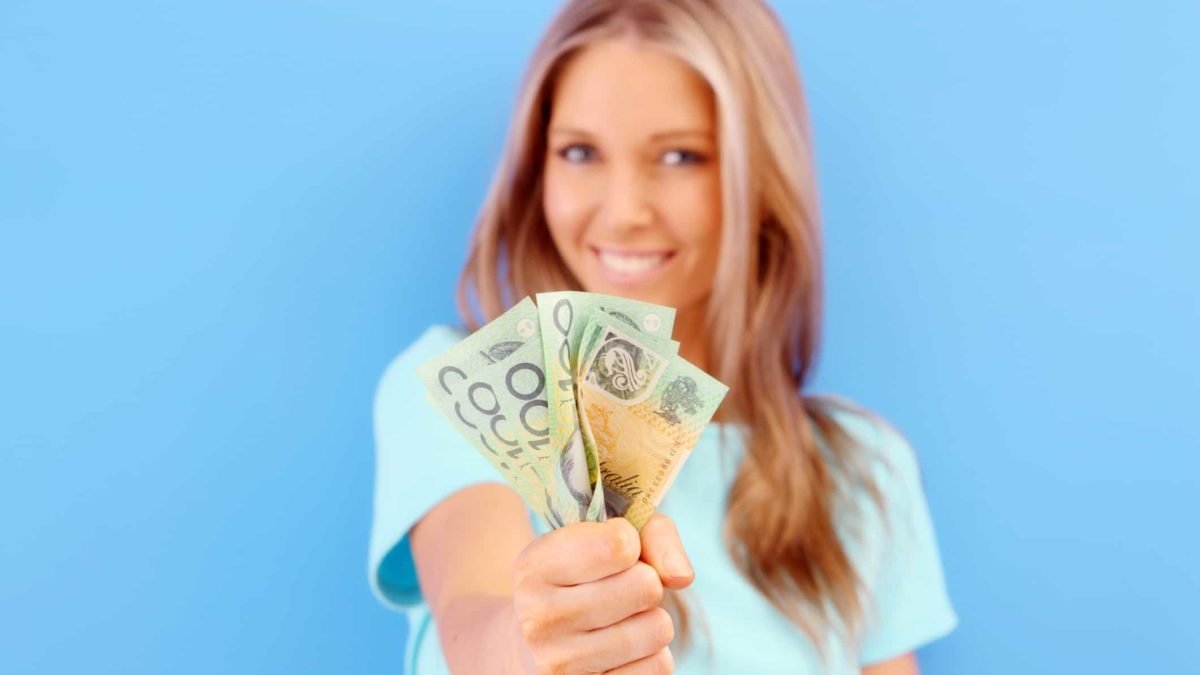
(628, 201)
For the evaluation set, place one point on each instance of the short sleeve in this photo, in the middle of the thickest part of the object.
(419, 461)
(910, 604)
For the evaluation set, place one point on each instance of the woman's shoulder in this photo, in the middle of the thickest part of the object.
(894, 547)
(878, 445)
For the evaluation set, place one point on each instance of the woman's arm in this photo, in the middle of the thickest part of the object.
(464, 549)
(901, 665)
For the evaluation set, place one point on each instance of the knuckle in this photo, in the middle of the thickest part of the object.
(537, 627)
(662, 627)
(658, 523)
(544, 627)
(531, 629)
(648, 587)
(625, 546)
(663, 662)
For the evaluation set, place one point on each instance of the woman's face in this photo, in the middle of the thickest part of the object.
(632, 176)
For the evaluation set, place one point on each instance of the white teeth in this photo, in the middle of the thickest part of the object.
(631, 264)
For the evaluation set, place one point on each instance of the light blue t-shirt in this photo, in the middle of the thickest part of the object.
(421, 460)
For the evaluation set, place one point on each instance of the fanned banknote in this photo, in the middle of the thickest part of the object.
(520, 415)
(644, 408)
(581, 402)
(468, 409)
(562, 318)
(598, 325)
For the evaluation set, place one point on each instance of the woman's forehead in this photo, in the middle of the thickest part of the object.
(619, 87)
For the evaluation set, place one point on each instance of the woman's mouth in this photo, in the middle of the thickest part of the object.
(631, 266)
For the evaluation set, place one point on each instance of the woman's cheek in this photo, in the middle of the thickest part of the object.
(698, 223)
(699, 230)
(565, 219)
(558, 209)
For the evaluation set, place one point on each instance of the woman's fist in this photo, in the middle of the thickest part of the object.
(587, 596)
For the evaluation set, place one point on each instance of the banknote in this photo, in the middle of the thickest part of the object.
(561, 317)
(645, 410)
(597, 326)
(513, 392)
(490, 344)
(467, 411)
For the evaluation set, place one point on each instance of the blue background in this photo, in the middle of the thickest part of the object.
(219, 220)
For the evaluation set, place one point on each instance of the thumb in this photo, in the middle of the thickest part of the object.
(663, 550)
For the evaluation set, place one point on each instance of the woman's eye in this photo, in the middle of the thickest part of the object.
(576, 153)
(673, 157)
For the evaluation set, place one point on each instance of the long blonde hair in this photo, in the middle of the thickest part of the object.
(764, 314)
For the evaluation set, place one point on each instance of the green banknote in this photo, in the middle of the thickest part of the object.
(644, 408)
(598, 325)
(513, 392)
(562, 317)
(467, 409)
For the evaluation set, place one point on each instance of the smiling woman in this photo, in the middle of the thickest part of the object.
(660, 152)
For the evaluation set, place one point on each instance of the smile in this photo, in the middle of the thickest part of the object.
(630, 265)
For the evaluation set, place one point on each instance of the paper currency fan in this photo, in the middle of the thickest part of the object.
(581, 402)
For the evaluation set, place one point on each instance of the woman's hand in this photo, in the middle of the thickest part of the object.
(586, 597)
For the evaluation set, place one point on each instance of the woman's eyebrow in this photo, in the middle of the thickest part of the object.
(570, 131)
(659, 135)
(681, 132)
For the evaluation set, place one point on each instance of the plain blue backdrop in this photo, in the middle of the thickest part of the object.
(220, 220)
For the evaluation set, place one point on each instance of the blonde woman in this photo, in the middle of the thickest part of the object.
(660, 151)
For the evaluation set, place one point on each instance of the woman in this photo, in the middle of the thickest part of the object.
(660, 151)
